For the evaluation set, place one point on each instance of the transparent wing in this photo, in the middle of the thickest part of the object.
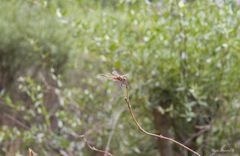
(126, 75)
(115, 72)
(106, 76)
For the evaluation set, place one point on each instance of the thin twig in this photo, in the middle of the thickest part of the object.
(31, 153)
(205, 129)
(126, 98)
(95, 149)
(16, 121)
(117, 115)
(105, 152)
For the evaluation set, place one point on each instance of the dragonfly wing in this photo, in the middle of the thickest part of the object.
(126, 75)
(115, 72)
(103, 76)
(106, 76)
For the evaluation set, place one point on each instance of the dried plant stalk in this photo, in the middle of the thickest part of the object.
(124, 81)
(97, 150)
(84, 137)
(126, 98)
(31, 153)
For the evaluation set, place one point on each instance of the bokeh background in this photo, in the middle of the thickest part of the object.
(183, 61)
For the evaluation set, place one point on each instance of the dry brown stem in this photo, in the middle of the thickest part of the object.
(105, 152)
(95, 149)
(31, 153)
(126, 98)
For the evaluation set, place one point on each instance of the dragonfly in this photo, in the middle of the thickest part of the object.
(115, 76)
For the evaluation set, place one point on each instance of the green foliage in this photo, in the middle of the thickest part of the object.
(182, 57)
(31, 38)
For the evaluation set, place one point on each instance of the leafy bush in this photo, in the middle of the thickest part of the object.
(32, 38)
(182, 58)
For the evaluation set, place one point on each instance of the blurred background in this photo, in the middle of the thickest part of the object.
(183, 61)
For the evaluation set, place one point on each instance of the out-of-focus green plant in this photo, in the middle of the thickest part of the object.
(182, 58)
(32, 38)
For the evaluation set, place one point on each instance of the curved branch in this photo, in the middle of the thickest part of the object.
(95, 149)
(105, 152)
(126, 98)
